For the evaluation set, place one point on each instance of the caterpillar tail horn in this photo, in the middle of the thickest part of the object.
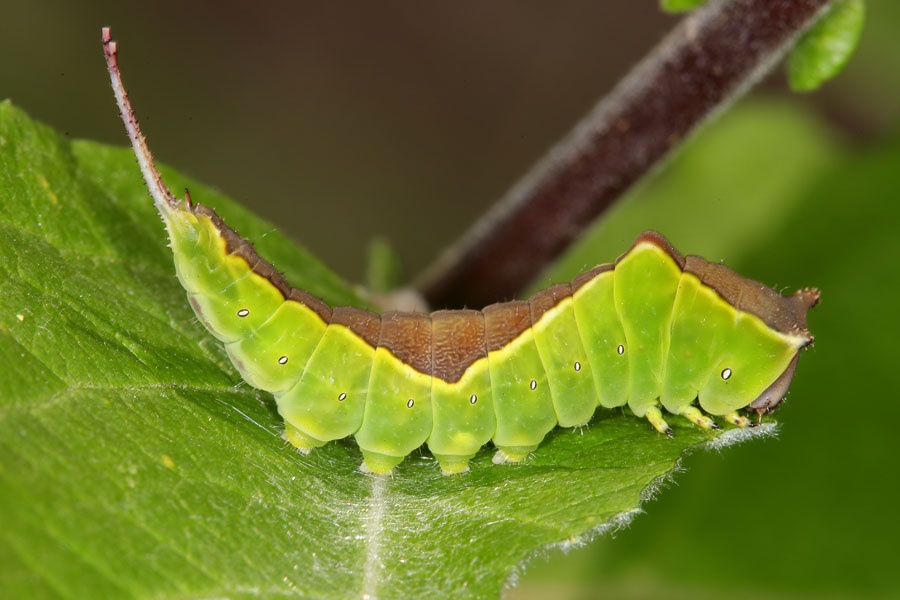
(163, 198)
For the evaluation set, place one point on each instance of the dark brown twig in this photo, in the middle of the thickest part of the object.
(711, 58)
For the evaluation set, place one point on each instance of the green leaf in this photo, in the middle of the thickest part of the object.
(679, 6)
(824, 50)
(384, 271)
(134, 463)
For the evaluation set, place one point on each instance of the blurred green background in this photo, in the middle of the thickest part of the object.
(341, 121)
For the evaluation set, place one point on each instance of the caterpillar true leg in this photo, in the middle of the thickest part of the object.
(740, 420)
(654, 415)
(696, 416)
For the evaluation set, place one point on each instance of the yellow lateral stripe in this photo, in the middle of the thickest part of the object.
(474, 370)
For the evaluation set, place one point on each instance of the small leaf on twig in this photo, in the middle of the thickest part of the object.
(679, 6)
(824, 50)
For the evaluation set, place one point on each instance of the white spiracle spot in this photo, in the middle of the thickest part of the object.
(283, 360)
(243, 312)
(410, 403)
(726, 373)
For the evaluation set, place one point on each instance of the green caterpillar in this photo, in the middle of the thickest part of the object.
(654, 330)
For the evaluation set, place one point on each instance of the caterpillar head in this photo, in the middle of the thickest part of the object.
(801, 301)
(770, 330)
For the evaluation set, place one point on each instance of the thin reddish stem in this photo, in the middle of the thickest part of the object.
(162, 197)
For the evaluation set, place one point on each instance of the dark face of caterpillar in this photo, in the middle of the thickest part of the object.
(774, 395)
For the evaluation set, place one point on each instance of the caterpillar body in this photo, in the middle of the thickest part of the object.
(654, 331)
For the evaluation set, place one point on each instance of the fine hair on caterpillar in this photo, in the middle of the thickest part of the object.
(655, 331)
